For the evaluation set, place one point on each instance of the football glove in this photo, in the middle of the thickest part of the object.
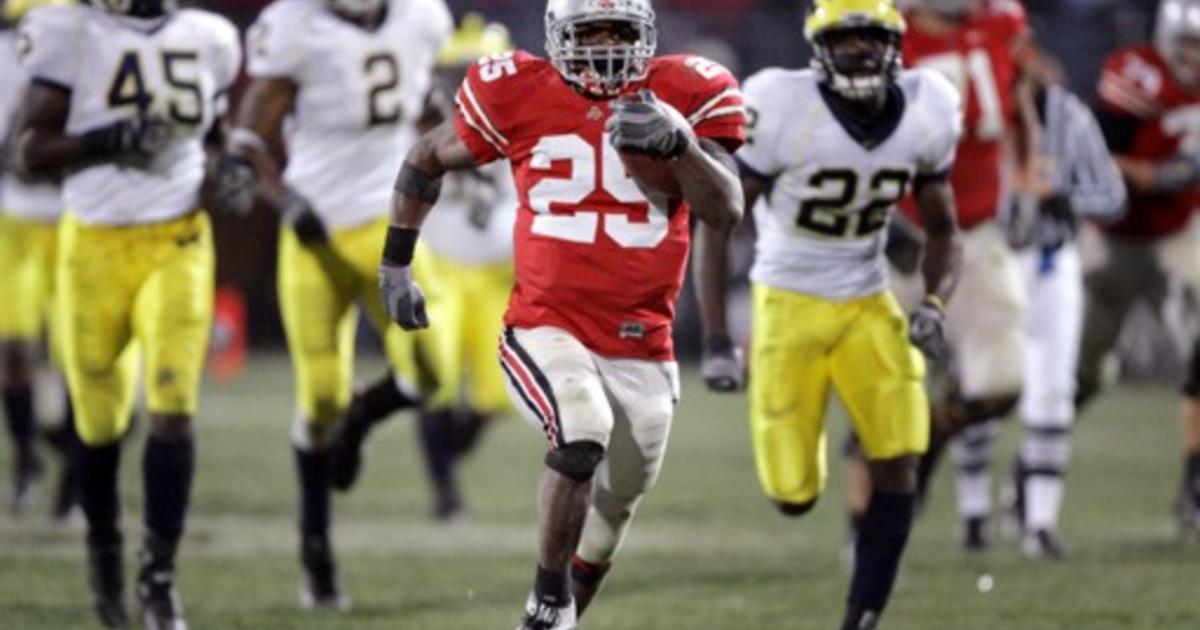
(649, 126)
(1177, 173)
(231, 185)
(402, 297)
(298, 213)
(723, 366)
(138, 138)
(927, 328)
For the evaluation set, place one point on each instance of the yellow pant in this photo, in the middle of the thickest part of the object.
(466, 308)
(27, 250)
(802, 346)
(146, 288)
(318, 288)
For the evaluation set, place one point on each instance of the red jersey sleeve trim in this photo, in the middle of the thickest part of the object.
(1119, 93)
(727, 103)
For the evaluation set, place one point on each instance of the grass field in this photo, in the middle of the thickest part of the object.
(706, 553)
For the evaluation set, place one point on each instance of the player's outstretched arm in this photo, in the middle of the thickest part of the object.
(41, 147)
(943, 263)
(417, 188)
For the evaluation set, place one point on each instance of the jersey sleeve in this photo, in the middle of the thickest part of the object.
(1130, 85)
(274, 49)
(49, 45)
(945, 129)
(486, 103)
(227, 52)
(765, 123)
(716, 108)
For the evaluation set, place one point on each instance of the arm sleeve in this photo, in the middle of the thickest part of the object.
(272, 49)
(764, 125)
(477, 109)
(50, 39)
(946, 130)
(1129, 86)
(1095, 185)
(227, 55)
(719, 111)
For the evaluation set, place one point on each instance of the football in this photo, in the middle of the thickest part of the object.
(651, 174)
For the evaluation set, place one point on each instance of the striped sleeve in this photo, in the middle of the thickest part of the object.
(476, 127)
(1092, 180)
(1129, 83)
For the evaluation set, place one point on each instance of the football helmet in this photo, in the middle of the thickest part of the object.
(601, 69)
(14, 10)
(862, 73)
(474, 39)
(1177, 37)
(357, 8)
(136, 8)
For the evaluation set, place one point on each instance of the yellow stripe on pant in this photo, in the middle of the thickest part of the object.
(130, 291)
(803, 347)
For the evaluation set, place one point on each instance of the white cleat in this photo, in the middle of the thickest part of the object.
(539, 616)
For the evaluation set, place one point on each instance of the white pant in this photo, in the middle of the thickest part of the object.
(573, 395)
(1053, 329)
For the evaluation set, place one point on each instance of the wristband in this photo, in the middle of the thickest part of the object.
(401, 242)
(100, 143)
(933, 300)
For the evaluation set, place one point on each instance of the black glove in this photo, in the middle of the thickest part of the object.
(1177, 173)
(723, 366)
(298, 213)
(402, 297)
(649, 126)
(231, 185)
(927, 328)
(138, 138)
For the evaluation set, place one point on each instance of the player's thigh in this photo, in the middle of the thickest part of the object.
(643, 395)
(554, 383)
(985, 316)
(789, 394)
(485, 321)
(22, 280)
(315, 304)
(173, 316)
(1053, 330)
(880, 378)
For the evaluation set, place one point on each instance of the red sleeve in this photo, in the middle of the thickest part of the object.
(707, 95)
(485, 106)
(1131, 84)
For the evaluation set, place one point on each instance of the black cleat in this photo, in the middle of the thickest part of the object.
(27, 477)
(975, 535)
(319, 586)
(346, 454)
(106, 578)
(1043, 544)
(162, 608)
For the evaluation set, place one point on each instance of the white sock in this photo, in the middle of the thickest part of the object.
(1043, 500)
(973, 462)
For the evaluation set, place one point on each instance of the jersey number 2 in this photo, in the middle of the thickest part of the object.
(832, 217)
(129, 86)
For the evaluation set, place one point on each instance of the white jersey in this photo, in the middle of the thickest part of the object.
(177, 70)
(359, 92)
(821, 226)
(30, 201)
(474, 217)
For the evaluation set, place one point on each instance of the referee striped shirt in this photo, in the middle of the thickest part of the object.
(1084, 171)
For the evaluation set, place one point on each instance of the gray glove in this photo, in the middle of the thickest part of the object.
(138, 138)
(1177, 173)
(302, 217)
(232, 185)
(649, 126)
(723, 366)
(402, 297)
(927, 329)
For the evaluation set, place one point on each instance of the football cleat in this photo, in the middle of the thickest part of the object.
(1188, 514)
(1043, 544)
(27, 477)
(106, 578)
(162, 608)
(319, 584)
(975, 535)
(541, 616)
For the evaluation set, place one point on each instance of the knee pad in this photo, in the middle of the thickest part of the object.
(577, 460)
(1191, 384)
(795, 510)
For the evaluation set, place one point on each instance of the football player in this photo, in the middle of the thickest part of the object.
(587, 347)
(125, 93)
(1149, 98)
(29, 212)
(833, 149)
(353, 77)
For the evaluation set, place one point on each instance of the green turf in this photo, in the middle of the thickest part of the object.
(706, 551)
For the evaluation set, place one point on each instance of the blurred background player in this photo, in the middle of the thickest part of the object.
(833, 150)
(29, 213)
(587, 349)
(124, 97)
(1071, 179)
(337, 86)
(1149, 96)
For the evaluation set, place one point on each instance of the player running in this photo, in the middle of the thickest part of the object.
(587, 350)
(1150, 112)
(353, 75)
(125, 95)
(832, 151)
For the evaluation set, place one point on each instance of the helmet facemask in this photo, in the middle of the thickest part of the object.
(858, 63)
(602, 52)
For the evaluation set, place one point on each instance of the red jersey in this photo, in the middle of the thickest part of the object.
(593, 256)
(1137, 84)
(980, 58)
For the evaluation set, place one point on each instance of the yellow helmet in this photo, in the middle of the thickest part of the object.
(475, 38)
(14, 10)
(864, 72)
